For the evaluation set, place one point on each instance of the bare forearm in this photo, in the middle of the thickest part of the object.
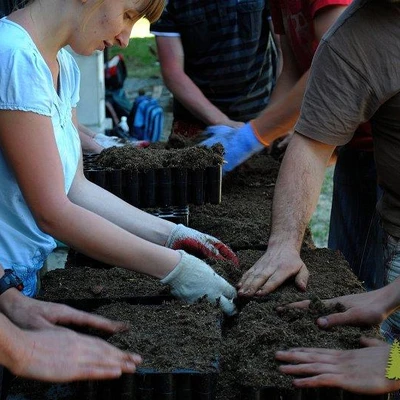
(87, 140)
(102, 226)
(10, 342)
(122, 214)
(389, 297)
(192, 98)
(297, 190)
(103, 240)
(283, 111)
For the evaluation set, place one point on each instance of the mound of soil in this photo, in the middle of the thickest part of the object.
(142, 159)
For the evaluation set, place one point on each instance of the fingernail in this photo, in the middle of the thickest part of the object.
(131, 366)
(322, 322)
(122, 328)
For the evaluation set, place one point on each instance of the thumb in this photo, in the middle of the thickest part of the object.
(227, 253)
(227, 306)
(228, 290)
(371, 342)
(301, 279)
(328, 321)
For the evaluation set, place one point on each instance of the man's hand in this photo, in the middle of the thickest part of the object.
(193, 279)
(239, 144)
(199, 244)
(63, 355)
(360, 371)
(28, 313)
(271, 270)
(360, 309)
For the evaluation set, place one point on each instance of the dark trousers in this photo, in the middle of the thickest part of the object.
(354, 225)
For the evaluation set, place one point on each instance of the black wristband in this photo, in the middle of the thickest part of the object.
(10, 280)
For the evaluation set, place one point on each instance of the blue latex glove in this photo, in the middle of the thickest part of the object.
(239, 144)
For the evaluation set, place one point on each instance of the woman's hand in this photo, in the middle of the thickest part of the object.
(193, 279)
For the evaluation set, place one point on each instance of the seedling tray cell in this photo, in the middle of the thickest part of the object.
(152, 385)
(159, 187)
(270, 393)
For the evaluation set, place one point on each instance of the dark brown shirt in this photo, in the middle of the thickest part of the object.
(355, 77)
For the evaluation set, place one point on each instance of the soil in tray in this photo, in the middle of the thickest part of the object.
(171, 336)
(252, 338)
(80, 283)
(143, 159)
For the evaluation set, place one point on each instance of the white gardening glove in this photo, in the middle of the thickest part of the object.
(108, 141)
(199, 244)
(193, 279)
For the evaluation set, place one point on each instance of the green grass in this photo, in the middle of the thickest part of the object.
(319, 224)
(140, 57)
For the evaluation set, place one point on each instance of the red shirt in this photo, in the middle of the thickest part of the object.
(294, 19)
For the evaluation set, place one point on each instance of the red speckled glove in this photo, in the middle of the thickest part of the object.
(199, 244)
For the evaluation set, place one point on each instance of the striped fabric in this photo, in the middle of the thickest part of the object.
(229, 52)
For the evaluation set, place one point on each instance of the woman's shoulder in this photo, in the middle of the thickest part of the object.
(14, 37)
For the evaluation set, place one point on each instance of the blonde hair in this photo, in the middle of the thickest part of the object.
(153, 10)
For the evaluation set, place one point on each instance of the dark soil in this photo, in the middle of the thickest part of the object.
(252, 338)
(243, 218)
(143, 159)
(171, 336)
(82, 283)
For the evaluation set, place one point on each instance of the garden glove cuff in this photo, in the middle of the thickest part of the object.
(239, 144)
(199, 244)
(218, 130)
(193, 279)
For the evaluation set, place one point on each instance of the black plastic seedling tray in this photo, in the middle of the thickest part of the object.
(271, 393)
(151, 385)
(159, 187)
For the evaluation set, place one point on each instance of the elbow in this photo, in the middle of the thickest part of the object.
(48, 224)
(52, 219)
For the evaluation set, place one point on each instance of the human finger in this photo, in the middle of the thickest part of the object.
(252, 280)
(371, 342)
(312, 368)
(301, 279)
(348, 317)
(67, 315)
(301, 305)
(305, 355)
(280, 276)
(227, 306)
